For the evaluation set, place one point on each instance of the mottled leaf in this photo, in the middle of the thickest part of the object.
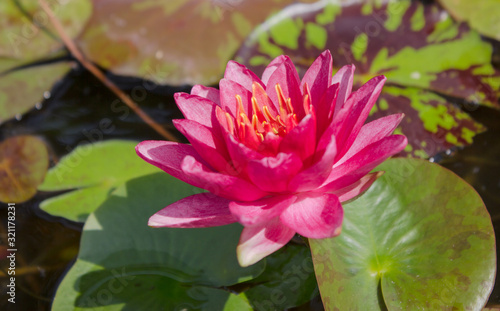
(24, 161)
(419, 238)
(22, 89)
(26, 30)
(155, 264)
(92, 171)
(444, 125)
(482, 16)
(173, 42)
(414, 45)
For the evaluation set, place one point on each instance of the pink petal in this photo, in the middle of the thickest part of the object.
(273, 173)
(196, 108)
(302, 139)
(209, 93)
(358, 188)
(373, 132)
(313, 176)
(226, 186)
(260, 211)
(273, 65)
(259, 241)
(287, 77)
(344, 77)
(318, 77)
(168, 156)
(351, 117)
(228, 91)
(314, 215)
(196, 211)
(241, 75)
(240, 154)
(210, 147)
(326, 107)
(348, 172)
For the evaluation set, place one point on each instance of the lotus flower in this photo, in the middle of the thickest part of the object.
(278, 155)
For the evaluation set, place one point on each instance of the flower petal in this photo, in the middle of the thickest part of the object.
(373, 132)
(196, 108)
(353, 114)
(313, 176)
(314, 215)
(318, 77)
(302, 139)
(168, 156)
(326, 108)
(240, 154)
(196, 211)
(209, 93)
(287, 77)
(271, 68)
(358, 188)
(260, 211)
(273, 173)
(228, 91)
(357, 166)
(208, 146)
(344, 77)
(227, 186)
(259, 241)
(240, 74)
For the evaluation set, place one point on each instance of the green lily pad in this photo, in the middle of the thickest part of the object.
(120, 255)
(288, 280)
(419, 238)
(92, 172)
(482, 16)
(21, 90)
(414, 45)
(197, 37)
(27, 32)
(24, 161)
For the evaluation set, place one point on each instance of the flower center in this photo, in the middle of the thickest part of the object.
(262, 120)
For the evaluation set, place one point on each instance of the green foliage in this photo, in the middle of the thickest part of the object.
(419, 238)
(91, 172)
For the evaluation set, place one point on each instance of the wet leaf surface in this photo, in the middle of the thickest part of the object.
(26, 31)
(416, 46)
(417, 213)
(23, 89)
(288, 280)
(24, 161)
(184, 41)
(482, 16)
(165, 263)
(92, 172)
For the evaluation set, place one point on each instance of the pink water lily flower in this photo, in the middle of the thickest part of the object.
(278, 154)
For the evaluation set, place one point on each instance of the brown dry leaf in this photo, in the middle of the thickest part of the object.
(24, 161)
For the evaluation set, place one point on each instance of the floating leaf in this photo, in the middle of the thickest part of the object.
(197, 37)
(169, 264)
(26, 30)
(288, 280)
(416, 46)
(24, 161)
(94, 170)
(481, 15)
(419, 238)
(21, 90)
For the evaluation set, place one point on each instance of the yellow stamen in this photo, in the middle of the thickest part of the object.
(267, 114)
(230, 124)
